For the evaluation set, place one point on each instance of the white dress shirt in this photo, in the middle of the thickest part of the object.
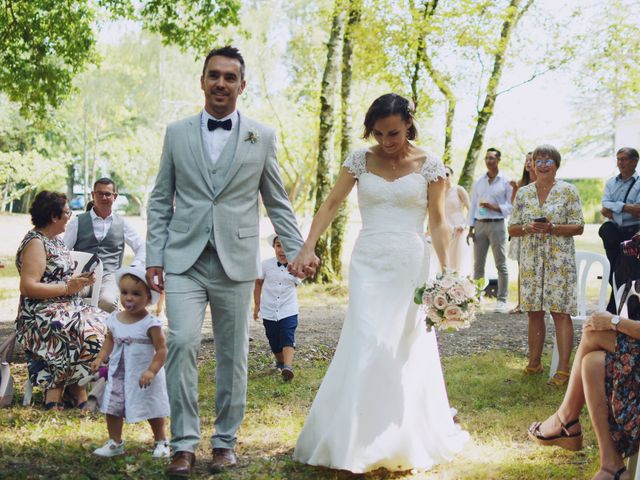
(215, 141)
(498, 191)
(101, 227)
(278, 299)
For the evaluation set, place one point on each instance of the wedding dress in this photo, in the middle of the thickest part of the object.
(383, 401)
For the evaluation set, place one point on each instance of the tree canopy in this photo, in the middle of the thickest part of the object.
(44, 44)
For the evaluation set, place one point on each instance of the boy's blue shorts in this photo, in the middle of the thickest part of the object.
(281, 333)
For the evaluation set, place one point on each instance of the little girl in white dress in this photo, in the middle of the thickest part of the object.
(136, 389)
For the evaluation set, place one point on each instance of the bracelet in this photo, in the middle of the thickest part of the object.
(553, 226)
(66, 288)
(524, 229)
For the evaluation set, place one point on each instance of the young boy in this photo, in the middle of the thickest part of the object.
(276, 302)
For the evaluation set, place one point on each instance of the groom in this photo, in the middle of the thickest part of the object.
(205, 251)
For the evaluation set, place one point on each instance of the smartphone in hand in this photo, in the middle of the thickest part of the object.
(541, 220)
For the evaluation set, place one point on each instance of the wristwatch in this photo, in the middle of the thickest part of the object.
(615, 320)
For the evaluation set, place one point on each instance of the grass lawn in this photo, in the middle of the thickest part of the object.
(495, 403)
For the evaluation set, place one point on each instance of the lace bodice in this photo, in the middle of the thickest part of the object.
(398, 205)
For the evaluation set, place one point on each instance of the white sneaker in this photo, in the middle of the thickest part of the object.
(110, 449)
(161, 450)
(501, 307)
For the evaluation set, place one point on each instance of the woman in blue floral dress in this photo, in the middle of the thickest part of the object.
(61, 335)
(605, 375)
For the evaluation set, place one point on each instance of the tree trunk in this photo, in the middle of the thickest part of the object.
(324, 177)
(513, 14)
(339, 224)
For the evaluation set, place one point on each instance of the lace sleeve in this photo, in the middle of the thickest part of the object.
(433, 168)
(355, 162)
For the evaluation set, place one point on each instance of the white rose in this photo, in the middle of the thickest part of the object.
(447, 281)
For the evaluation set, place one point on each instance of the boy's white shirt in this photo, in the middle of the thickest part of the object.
(278, 299)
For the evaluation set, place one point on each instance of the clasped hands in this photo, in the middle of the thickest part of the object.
(598, 321)
(305, 264)
(537, 227)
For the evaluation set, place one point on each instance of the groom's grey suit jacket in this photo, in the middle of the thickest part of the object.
(217, 204)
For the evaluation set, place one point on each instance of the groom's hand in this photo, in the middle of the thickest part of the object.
(305, 263)
(155, 278)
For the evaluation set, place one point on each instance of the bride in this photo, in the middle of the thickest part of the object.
(383, 401)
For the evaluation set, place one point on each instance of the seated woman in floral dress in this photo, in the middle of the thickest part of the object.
(606, 376)
(61, 336)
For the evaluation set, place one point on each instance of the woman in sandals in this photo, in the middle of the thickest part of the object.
(605, 376)
(546, 216)
(61, 336)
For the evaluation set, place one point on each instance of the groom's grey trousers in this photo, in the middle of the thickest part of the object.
(187, 297)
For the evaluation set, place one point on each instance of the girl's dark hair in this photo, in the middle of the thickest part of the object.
(47, 206)
(385, 106)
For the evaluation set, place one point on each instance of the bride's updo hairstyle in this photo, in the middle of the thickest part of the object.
(387, 105)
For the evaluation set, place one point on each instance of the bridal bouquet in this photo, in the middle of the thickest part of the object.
(450, 301)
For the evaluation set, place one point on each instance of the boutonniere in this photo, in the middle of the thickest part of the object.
(252, 136)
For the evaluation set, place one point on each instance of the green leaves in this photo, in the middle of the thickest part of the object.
(44, 44)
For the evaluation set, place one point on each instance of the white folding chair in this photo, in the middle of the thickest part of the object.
(584, 262)
(81, 258)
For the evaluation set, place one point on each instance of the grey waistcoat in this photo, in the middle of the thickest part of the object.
(110, 249)
(218, 172)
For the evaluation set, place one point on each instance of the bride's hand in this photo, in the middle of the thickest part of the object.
(305, 263)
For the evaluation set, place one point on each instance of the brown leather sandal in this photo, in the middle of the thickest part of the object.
(566, 440)
(559, 378)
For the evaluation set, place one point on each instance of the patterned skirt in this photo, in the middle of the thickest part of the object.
(61, 338)
(622, 384)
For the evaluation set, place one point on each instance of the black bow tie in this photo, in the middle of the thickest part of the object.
(282, 264)
(213, 124)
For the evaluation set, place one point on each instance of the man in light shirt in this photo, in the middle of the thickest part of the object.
(621, 207)
(490, 207)
(105, 233)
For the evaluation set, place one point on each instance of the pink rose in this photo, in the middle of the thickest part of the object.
(453, 313)
(457, 294)
(439, 301)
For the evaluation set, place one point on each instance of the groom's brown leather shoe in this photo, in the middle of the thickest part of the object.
(181, 465)
(223, 459)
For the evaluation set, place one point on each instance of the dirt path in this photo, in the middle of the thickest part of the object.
(320, 327)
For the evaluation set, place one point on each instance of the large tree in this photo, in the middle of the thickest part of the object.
(324, 166)
(44, 44)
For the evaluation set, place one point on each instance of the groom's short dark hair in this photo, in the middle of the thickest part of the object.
(226, 51)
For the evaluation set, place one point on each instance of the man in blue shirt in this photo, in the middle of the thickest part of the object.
(621, 206)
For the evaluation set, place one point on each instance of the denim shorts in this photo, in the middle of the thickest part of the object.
(281, 333)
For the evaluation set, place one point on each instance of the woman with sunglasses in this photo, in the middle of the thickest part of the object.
(605, 377)
(60, 335)
(546, 216)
